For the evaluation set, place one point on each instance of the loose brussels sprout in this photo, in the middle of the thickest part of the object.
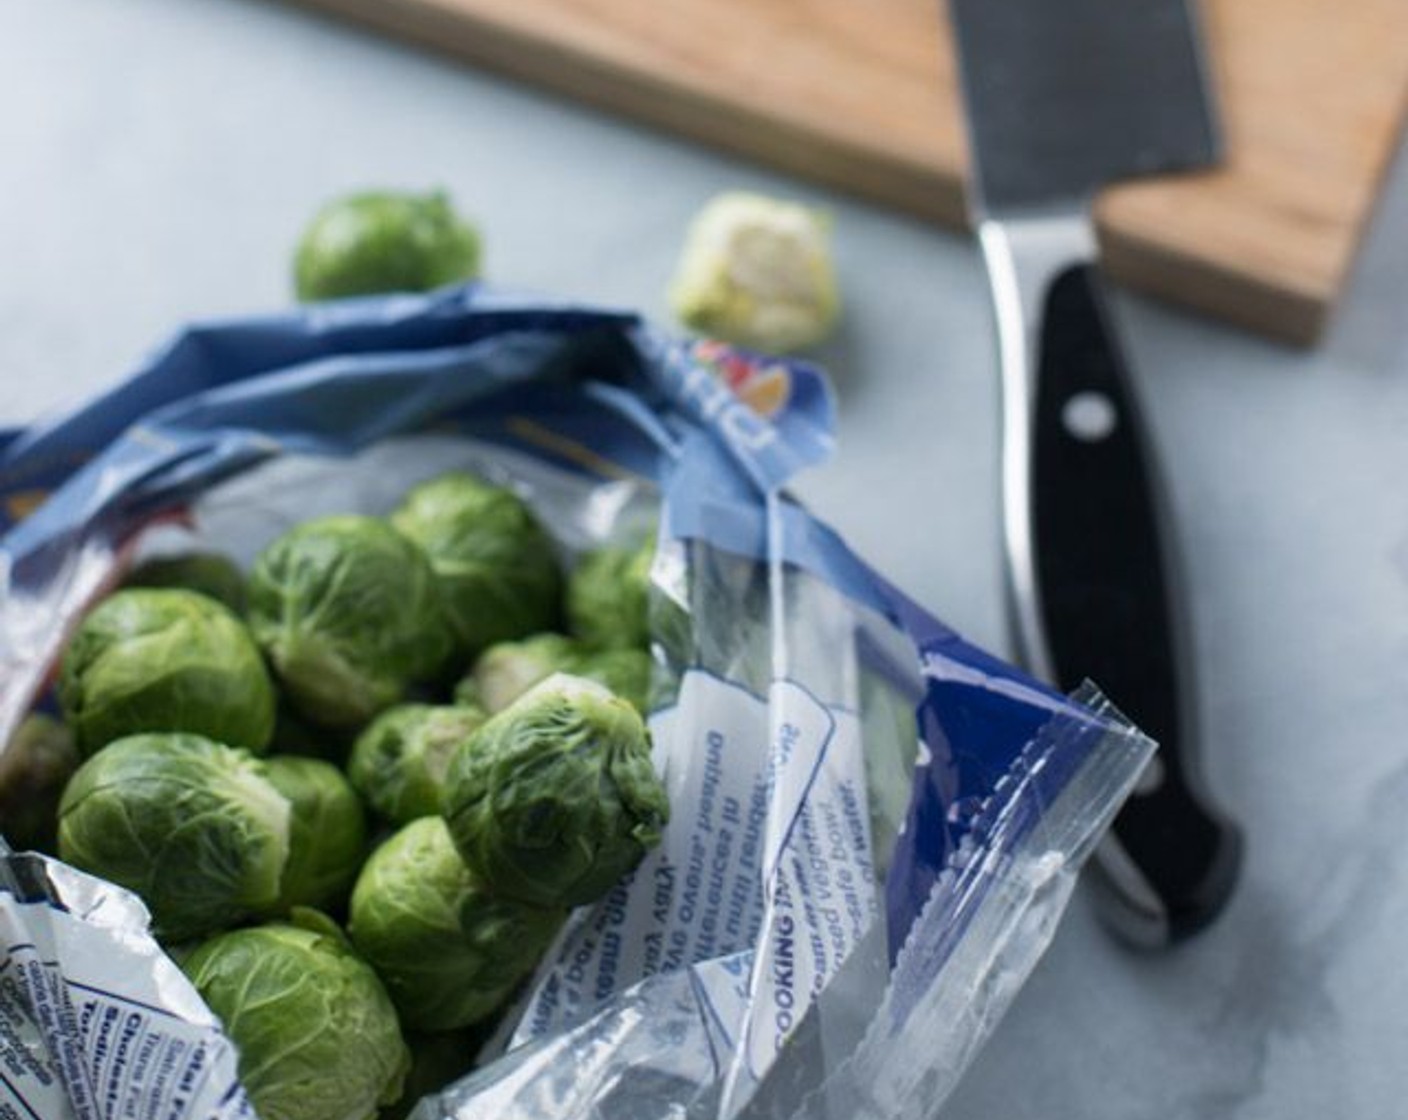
(506, 670)
(554, 798)
(379, 241)
(192, 826)
(626, 672)
(347, 611)
(496, 567)
(165, 660)
(608, 597)
(317, 1036)
(757, 271)
(207, 572)
(449, 952)
(34, 767)
(327, 832)
(399, 762)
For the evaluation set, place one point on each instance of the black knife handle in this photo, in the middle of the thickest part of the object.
(1106, 580)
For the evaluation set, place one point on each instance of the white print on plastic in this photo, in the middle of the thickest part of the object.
(82, 1040)
(820, 889)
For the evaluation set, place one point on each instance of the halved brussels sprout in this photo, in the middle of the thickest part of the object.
(207, 572)
(398, 763)
(317, 1035)
(757, 271)
(347, 611)
(194, 827)
(165, 660)
(496, 567)
(449, 952)
(608, 597)
(554, 799)
(327, 832)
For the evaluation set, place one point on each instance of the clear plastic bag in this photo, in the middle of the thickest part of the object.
(874, 825)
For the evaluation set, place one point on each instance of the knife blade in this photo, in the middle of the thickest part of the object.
(1062, 98)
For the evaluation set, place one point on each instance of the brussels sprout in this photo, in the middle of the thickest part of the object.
(34, 767)
(379, 241)
(399, 762)
(608, 597)
(191, 825)
(347, 611)
(554, 798)
(757, 271)
(165, 660)
(207, 572)
(448, 951)
(317, 1036)
(506, 670)
(496, 567)
(626, 672)
(327, 832)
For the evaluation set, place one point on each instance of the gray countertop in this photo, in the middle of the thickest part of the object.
(160, 157)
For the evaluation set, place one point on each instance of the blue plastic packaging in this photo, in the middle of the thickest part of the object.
(875, 823)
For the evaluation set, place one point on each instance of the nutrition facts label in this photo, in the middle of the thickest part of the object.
(93, 1039)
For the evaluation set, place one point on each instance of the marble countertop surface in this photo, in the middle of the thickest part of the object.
(158, 159)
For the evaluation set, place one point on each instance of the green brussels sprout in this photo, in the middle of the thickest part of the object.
(193, 826)
(449, 952)
(165, 660)
(506, 670)
(327, 832)
(347, 611)
(438, 1058)
(34, 768)
(608, 597)
(379, 241)
(497, 570)
(317, 1035)
(398, 763)
(554, 799)
(626, 672)
(757, 271)
(207, 572)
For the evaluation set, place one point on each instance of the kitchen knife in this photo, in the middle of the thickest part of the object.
(1063, 96)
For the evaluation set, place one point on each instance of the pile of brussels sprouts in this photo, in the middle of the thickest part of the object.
(360, 790)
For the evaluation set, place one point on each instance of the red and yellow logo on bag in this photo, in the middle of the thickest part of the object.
(763, 386)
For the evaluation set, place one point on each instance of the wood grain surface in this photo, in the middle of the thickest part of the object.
(862, 95)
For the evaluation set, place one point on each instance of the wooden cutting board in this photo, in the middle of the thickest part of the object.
(862, 95)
